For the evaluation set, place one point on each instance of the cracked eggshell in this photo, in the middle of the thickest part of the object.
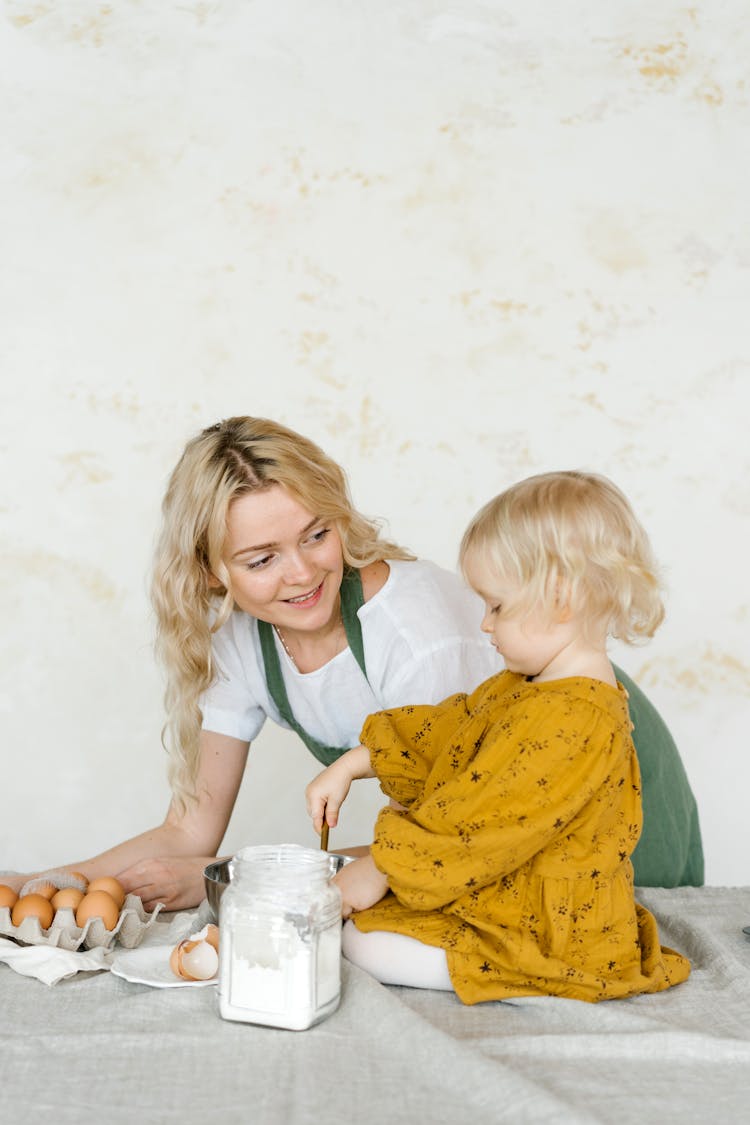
(194, 960)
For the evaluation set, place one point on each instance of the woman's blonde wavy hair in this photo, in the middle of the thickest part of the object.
(230, 459)
(571, 538)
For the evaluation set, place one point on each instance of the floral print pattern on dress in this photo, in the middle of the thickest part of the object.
(523, 808)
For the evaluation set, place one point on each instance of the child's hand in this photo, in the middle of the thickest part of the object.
(361, 884)
(327, 792)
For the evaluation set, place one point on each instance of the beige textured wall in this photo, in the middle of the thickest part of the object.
(454, 243)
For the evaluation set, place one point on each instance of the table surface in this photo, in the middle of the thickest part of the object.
(97, 1047)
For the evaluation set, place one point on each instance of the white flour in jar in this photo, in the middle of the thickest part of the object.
(279, 976)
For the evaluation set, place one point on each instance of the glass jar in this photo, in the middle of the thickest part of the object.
(280, 950)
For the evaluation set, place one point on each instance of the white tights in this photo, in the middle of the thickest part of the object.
(396, 959)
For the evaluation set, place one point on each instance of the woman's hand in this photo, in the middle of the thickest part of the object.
(176, 881)
(361, 884)
(327, 792)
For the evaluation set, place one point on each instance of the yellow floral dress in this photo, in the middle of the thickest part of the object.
(523, 807)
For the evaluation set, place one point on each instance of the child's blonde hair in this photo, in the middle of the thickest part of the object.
(571, 539)
(230, 459)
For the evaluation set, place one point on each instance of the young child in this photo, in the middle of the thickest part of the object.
(506, 869)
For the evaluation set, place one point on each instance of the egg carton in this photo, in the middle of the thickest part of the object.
(131, 927)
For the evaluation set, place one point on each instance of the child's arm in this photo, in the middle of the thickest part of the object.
(410, 732)
(327, 792)
(405, 742)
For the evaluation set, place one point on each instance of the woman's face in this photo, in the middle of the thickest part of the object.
(285, 563)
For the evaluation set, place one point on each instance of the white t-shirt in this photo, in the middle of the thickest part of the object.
(421, 640)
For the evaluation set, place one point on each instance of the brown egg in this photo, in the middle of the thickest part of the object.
(68, 898)
(109, 884)
(8, 896)
(33, 906)
(97, 904)
(78, 875)
(212, 936)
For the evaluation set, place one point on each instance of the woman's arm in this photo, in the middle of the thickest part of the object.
(165, 864)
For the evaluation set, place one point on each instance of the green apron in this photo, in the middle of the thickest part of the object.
(351, 600)
(669, 852)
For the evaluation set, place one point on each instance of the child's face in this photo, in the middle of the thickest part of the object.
(528, 641)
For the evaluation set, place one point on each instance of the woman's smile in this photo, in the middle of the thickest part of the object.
(306, 600)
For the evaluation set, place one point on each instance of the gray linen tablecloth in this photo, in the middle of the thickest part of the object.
(98, 1048)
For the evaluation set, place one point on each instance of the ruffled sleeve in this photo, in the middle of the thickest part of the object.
(405, 741)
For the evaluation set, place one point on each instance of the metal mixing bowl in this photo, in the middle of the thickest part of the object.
(217, 877)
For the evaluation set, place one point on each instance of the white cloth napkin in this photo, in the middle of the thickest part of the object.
(51, 964)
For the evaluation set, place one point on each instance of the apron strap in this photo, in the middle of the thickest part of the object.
(352, 598)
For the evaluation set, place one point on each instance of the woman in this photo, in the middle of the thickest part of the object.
(276, 598)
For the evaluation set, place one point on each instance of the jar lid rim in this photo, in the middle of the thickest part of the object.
(282, 858)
